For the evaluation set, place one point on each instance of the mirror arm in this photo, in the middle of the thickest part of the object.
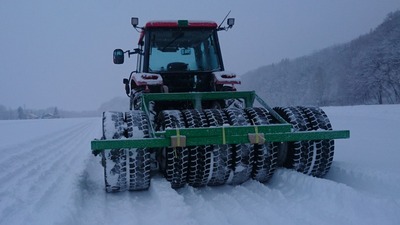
(135, 51)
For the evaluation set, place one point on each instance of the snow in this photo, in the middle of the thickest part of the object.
(49, 176)
(143, 79)
(225, 77)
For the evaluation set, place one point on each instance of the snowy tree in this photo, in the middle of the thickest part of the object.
(4, 113)
(56, 113)
(21, 113)
(378, 78)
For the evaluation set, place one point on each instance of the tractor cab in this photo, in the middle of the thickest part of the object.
(178, 56)
(181, 47)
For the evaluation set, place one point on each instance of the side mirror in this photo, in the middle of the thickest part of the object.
(118, 56)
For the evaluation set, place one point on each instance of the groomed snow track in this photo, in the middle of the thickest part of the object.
(212, 165)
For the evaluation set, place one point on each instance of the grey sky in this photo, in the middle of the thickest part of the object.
(59, 52)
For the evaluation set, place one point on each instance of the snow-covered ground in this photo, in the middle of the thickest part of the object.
(49, 176)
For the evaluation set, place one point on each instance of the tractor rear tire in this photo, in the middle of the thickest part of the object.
(173, 161)
(114, 160)
(126, 169)
(222, 163)
(312, 157)
(265, 155)
(299, 153)
(200, 157)
(243, 154)
(323, 149)
(138, 158)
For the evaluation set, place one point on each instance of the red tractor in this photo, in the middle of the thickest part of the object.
(187, 120)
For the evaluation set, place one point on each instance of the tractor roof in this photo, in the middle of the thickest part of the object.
(176, 24)
(181, 23)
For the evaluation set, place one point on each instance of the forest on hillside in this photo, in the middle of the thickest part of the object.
(363, 71)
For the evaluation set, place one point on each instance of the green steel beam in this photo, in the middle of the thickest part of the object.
(227, 130)
(197, 97)
(270, 109)
(308, 135)
(219, 135)
(98, 145)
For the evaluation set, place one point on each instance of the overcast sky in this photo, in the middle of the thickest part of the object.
(59, 52)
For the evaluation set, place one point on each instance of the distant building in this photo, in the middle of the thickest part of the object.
(30, 116)
(48, 116)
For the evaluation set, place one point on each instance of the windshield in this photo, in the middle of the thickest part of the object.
(173, 50)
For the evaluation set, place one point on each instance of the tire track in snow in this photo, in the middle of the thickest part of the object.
(37, 183)
(227, 204)
(24, 184)
(165, 204)
(59, 192)
(63, 165)
(249, 203)
(31, 160)
(33, 148)
(169, 203)
(384, 184)
(318, 201)
(290, 198)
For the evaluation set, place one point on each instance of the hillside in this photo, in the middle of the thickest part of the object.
(363, 71)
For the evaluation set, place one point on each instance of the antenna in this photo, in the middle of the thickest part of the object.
(219, 27)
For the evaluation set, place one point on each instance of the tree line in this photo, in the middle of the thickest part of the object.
(21, 113)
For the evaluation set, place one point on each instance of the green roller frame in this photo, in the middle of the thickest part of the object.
(182, 137)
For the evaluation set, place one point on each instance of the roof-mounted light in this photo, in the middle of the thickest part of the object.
(231, 22)
(134, 21)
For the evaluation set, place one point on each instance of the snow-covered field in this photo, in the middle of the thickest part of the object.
(49, 176)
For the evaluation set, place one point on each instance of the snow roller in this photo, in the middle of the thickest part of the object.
(187, 122)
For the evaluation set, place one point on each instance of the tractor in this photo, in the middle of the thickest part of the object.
(187, 121)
